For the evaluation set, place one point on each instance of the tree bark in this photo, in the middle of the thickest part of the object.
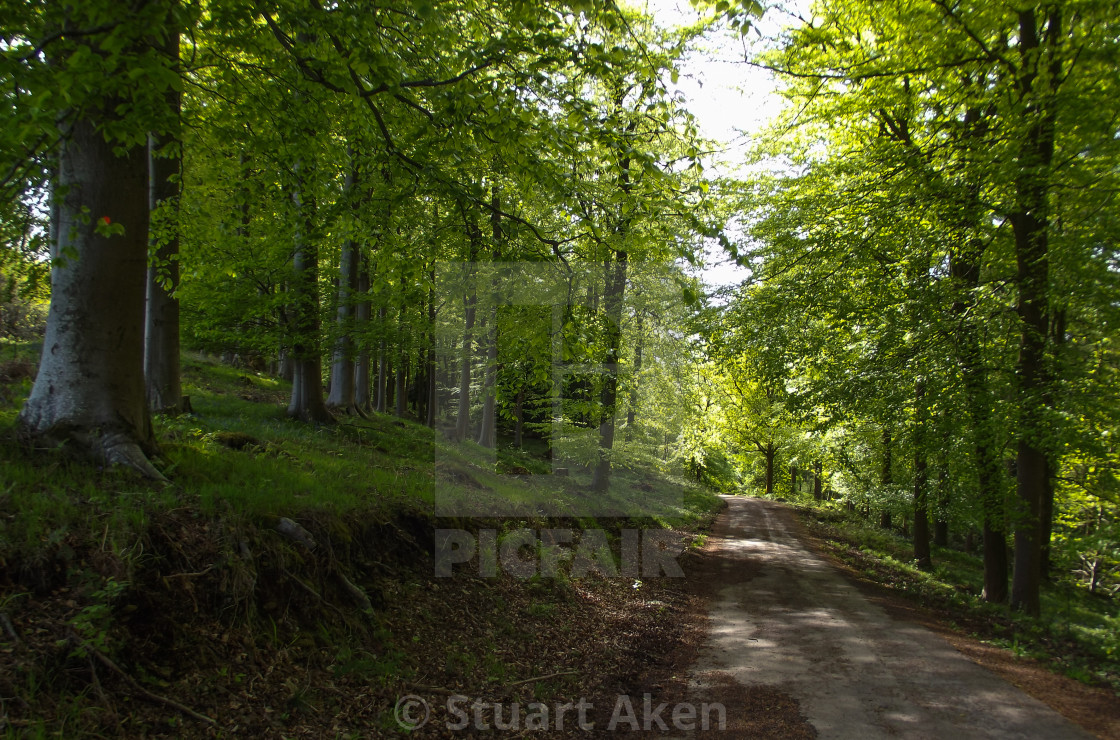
(362, 368)
(608, 398)
(965, 271)
(487, 432)
(941, 521)
(470, 306)
(161, 325)
(487, 435)
(463, 423)
(632, 406)
(921, 479)
(89, 390)
(886, 476)
(1046, 510)
(614, 292)
(400, 392)
(389, 384)
(382, 363)
(519, 418)
(342, 392)
(307, 372)
(769, 452)
(433, 387)
(1030, 225)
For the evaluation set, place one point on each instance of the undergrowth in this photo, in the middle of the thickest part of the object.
(113, 589)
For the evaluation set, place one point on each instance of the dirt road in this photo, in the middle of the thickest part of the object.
(783, 620)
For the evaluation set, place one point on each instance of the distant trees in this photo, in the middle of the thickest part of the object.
(924, 249)
(287, 176)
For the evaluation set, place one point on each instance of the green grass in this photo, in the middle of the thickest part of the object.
(380, 464)
(88, 546)
(1078, 633)
(238, 452)
(359, 462)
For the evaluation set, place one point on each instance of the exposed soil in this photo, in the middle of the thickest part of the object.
(231, 621)
(221, 628)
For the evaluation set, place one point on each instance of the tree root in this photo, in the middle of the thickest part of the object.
(355, 591)
(115, 445)
(104, 660)
(10, 628)
(294, 532)
(117, 449)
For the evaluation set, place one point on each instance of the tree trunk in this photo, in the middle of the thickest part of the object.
(342, 393)
(1058, 338)
(921, 479)
(89, 391)
(307, 372)
(382, 363)
(463, 424)
(433, 387)
(614, 292)
(818, 482)
(608, 398)
(161, 330)
(1046, 522)
(886, 477)
(769, 452)
(941, 521)
(632, 410)
(965, 269)
(519, 416)
(1030, 225)
(362, 368)
(287, 367)
(487, 434)
(793, 490)
(388, 381)
(400, 392)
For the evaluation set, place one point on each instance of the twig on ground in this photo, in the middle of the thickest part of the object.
(539, 678)
(435, 690)
(9, 628)
(97, 685)
(504, 687)
(105, 661)
(190, 575)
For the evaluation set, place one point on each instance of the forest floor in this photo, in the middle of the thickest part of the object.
(192, 610)
(284, 585)
(801, 646)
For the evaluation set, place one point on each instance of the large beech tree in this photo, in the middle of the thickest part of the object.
(90, 390)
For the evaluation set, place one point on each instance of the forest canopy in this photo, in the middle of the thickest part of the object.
(927, 334)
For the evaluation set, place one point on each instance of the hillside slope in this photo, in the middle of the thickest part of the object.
(284, 583)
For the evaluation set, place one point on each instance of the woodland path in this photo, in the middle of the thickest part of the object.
(783, 620)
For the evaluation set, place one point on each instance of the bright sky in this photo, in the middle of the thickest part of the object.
(730, 100)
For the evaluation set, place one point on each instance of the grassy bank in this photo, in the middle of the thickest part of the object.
(283, 584)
